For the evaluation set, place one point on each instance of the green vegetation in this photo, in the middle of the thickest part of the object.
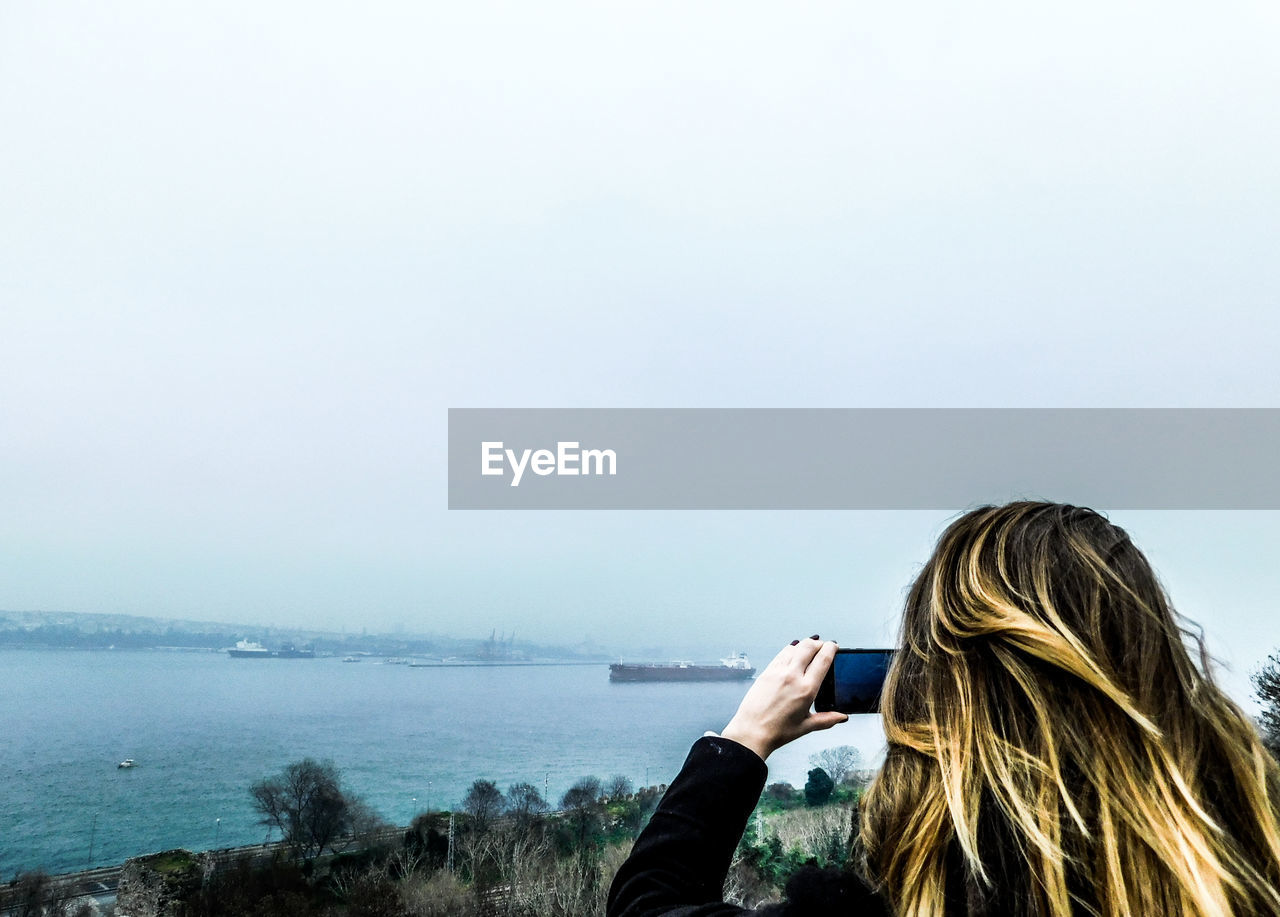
(791, 829)
(171, 862)
(782, 838)
(503, 854)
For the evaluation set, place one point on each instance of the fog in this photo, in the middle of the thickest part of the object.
(251, 253)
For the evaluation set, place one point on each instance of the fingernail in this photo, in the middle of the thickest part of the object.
(795, 642)
(815, 637)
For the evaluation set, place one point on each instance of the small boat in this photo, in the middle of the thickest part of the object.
(127, 762)
(350, 658)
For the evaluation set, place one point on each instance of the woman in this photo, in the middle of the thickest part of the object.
(1053, 750)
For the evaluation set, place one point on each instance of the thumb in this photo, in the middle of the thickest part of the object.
(820, 721)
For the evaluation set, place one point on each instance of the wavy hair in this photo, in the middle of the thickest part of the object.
(1054, 749)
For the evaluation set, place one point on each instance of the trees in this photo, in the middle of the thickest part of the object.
(583, 794)
(307, 803)
(29, 894)
(817, 789)
(525, 803)
(484, 802)
(367, 827)
(581, 804)
(1266, 682)
(841, 762)
(783, 793)
(619, 787)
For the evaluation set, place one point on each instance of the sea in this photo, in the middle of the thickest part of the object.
(203, 727)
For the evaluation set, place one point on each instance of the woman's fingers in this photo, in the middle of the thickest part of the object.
(819, 663)
(783, 657)
(802, 653)
(776, 708)
(811, 658)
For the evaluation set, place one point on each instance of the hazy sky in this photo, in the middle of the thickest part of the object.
(250, 253)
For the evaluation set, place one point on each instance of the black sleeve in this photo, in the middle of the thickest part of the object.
(679, 862)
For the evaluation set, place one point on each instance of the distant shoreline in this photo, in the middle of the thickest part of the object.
(493, 665)
(83, 630)
(376, 659)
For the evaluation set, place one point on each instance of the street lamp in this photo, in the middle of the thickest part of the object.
(217, 831)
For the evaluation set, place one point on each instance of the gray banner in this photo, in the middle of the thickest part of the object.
(862, 458)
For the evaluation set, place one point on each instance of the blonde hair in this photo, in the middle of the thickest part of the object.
(1053, 748)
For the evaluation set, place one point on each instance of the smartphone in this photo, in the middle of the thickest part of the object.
(853, 683)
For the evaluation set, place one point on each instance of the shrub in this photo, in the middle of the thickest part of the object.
(817, 789)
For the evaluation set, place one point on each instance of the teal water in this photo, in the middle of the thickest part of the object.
(203, 727)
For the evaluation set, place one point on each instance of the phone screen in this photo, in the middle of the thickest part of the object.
(853, 683)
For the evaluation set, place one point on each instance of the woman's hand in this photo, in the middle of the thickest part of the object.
(775, 709)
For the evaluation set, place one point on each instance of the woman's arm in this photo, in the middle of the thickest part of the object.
(680, 861)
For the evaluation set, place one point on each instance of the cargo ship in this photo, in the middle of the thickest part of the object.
(247, 649)
(289, 651)
(731, 668)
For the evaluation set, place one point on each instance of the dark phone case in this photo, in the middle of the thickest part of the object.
(826, 699)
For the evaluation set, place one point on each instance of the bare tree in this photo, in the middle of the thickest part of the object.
(484, 803)
(526, 804)
(307, 803)
(369, 892)
(619, 787)
(1266, 682)
(524, 870)
(841, 762)
(368, 829)
(817, 832)
(581, 804)
(441, 894)
(586, 792)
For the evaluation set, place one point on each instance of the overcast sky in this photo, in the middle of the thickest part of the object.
(251, 252)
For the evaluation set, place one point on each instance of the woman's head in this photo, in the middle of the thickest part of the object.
(1052, 741)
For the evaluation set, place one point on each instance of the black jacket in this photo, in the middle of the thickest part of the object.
(679, 862)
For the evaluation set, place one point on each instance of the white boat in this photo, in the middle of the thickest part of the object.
(351, 659)
(127, 762)
(247, 649)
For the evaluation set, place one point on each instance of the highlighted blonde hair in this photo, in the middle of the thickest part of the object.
(1054, 750)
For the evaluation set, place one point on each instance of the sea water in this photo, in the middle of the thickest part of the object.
(203, 727)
